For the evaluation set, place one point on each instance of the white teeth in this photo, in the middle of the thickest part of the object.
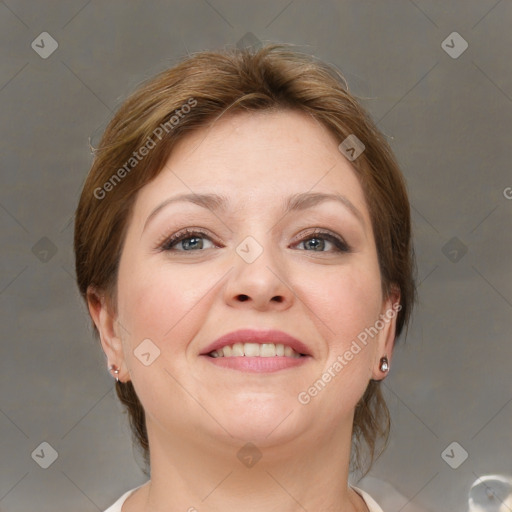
(251, 349)
(237, 350)
(255, 350)
(267, 350)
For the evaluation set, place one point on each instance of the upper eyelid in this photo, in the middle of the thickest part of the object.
(311, 232)
(184, 234)
(320, 231)
(329, 236)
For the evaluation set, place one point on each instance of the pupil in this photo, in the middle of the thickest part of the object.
(316, 243)
(192, 242)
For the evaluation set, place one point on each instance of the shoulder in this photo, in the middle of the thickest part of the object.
(117, 506)
(372, 505)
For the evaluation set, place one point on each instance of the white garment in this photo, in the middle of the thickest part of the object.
(370, 502)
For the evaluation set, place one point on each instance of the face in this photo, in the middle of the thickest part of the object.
(273, 235)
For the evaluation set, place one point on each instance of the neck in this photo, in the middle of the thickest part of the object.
(290, 476)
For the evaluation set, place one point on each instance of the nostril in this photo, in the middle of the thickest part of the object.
(243, 298)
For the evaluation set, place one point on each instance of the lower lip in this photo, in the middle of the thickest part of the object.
(258, 364)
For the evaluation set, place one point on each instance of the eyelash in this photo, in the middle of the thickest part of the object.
(338, 242)
(169, 241)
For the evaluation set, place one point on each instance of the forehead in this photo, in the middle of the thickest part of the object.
(256, 157)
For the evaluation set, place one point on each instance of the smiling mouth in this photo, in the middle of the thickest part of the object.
(256, 350)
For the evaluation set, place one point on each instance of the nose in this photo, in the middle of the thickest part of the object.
(261, 284)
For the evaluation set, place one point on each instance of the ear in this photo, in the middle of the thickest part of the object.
(104, 318)
(386, 338)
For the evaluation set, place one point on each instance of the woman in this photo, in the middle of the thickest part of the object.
(243, 244)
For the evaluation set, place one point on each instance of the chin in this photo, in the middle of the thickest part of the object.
(262, 419)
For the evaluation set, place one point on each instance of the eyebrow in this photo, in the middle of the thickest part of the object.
(211, 202)
(307, 200)
(296, 202)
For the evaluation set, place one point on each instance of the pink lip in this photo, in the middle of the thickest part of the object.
(257, 364)
(257, 336)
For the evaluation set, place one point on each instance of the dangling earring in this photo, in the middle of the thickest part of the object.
(384, 364)
(115, 370)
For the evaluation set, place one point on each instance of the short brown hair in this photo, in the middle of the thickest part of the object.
(273, 77)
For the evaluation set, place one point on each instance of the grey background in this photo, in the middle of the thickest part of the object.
(449, 121)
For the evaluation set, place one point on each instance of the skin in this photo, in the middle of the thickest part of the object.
(199, 415)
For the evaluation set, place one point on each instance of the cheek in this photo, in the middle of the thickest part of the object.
(348, 301)
(160, 305)
(162, 302)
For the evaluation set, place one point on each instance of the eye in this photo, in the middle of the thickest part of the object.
(186, 241)
(321, 241)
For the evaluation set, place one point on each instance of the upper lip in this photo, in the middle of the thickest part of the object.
(257, 336)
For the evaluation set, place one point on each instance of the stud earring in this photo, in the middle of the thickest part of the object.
(384, 364)
(115, 370)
